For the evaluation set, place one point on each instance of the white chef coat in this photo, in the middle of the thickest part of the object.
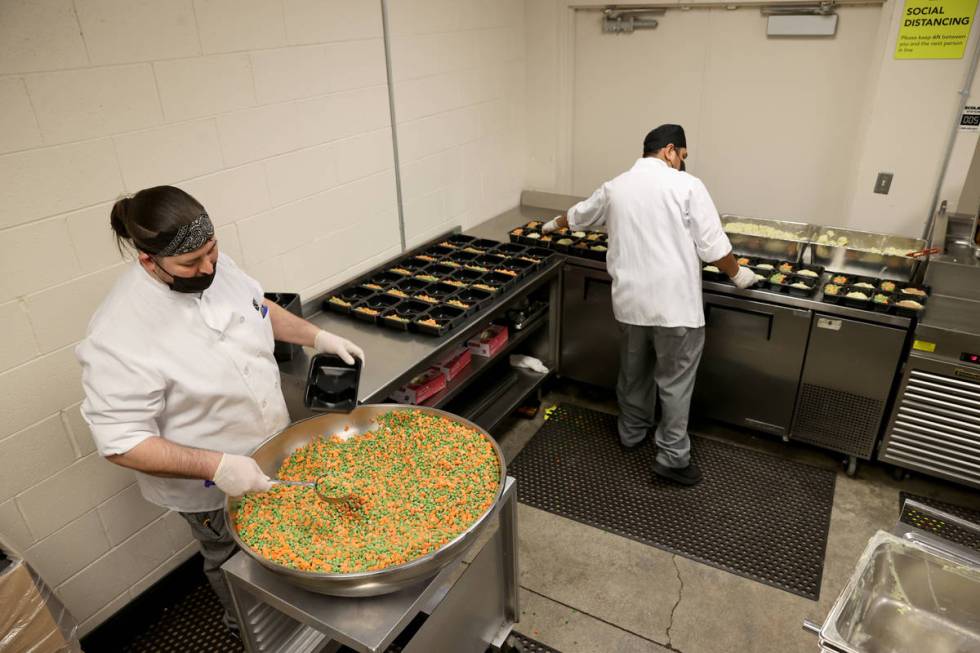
(662, 224)
(196, 369)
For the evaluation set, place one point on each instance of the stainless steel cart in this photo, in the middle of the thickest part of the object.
(913, 589)
(468, 606)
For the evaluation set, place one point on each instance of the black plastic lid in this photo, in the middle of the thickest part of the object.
(331, 385)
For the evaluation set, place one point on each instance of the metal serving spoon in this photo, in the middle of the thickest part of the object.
(322, 490)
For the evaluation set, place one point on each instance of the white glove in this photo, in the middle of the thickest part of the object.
(550, 226)
(528, 362)
(744, 278)
(328, 343)
(237, 475)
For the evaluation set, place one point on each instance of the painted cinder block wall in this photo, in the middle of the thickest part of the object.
(275, 114)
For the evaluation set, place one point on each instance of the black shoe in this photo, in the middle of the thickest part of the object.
(689, 475)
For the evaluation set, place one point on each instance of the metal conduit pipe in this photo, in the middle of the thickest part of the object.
(964, 94)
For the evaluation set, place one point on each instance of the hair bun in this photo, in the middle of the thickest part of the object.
(119, 218)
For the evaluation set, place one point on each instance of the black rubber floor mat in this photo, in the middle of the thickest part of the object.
(944, 529)
(519, 643)
(193, 624)
(753, 514)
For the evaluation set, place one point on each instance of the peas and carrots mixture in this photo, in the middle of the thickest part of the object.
(418, 480)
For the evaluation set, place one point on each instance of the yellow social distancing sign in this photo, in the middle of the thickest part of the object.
(935, 29)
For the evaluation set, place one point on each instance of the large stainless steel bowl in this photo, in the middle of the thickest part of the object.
(270, 456)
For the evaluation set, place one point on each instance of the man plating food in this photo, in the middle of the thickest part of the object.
(177, 366)
(662, 225)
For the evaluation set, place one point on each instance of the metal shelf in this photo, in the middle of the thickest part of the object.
(480, 363)
(517, 385)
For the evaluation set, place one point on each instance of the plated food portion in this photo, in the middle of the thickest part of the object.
(417, 482)
(881, 295)
(775, 275)
(805, 280)
(584, 243)
(433, 290)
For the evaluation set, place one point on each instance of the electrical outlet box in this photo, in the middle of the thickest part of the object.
(884, 182)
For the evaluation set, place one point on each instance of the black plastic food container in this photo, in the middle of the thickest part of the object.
(468, 276)
(498, 279)
(386, 279)
(510, 249)
(463, 257)
(539, 253)
(491, 260)
(428, 275)
(409, 310)
(411, 286)
(811, 283)
(713, 276)
(909, 312)
(351, 294)
(484, 243)
(855, 302)
(474, 296)
(331, 384)
(411, 263)
(564, 249)
(461, 240)
(358, 312)
(381, 301)
(442, 270)
(446, 312)
(440, 251)
(446, 316)
(440, 290)
(518, 265)
(885, 307)
(343, 309)
(523, 239)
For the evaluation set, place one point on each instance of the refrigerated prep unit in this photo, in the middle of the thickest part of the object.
(934, 427)
(798, 366)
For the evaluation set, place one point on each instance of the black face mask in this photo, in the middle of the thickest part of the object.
(195, 284)
(683, 166)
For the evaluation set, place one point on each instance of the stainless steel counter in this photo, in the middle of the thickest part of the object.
(392, 357)
(814, 303)
(795, 367)
(952, 314)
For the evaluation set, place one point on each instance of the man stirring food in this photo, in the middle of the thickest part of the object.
(662, 225)
(177, 366)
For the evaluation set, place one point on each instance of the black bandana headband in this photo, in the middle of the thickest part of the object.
(190, 237)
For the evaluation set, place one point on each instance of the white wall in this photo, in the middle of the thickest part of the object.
(274, 113)
(910, 110)
(767, 120)
(778, 127)
(458, 70)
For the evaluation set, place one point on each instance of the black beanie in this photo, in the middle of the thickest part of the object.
(663, 136)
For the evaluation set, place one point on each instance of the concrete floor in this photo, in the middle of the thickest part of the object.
(584, 590)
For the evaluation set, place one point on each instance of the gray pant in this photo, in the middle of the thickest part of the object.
(217, 546)
(652, 359)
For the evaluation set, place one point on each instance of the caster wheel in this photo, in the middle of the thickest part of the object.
(899, 474)
(852, 466)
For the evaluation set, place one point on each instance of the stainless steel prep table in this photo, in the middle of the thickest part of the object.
(795, 367)
(393, 358)
(467, 607)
